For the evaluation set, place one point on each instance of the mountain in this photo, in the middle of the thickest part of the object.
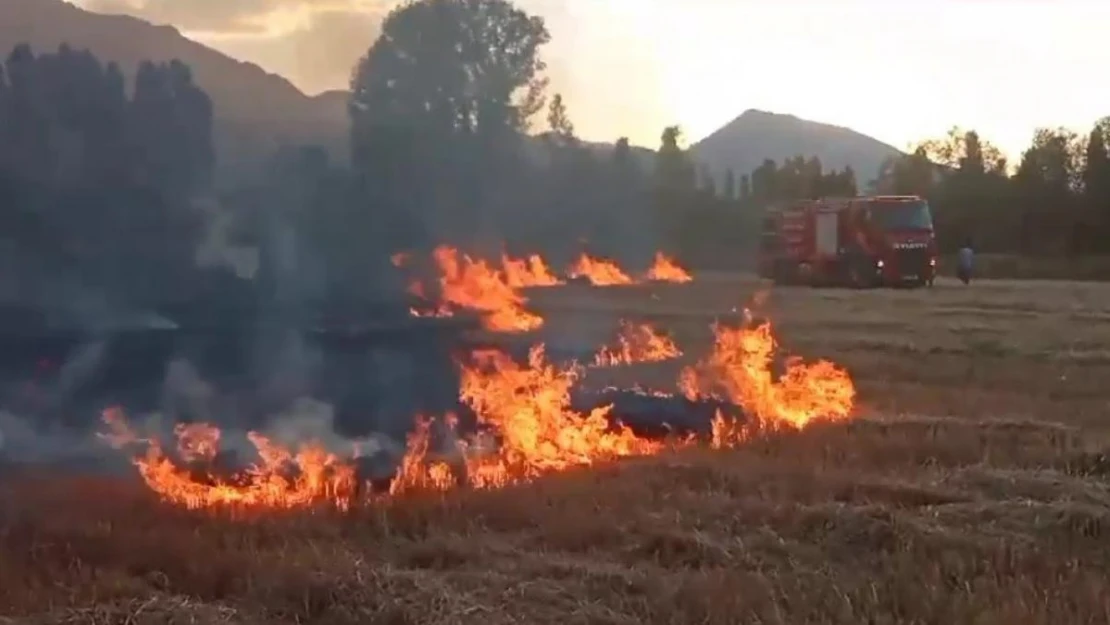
(743, 144)
(256, 111)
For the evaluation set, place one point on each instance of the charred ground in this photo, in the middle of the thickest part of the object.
(970, 489)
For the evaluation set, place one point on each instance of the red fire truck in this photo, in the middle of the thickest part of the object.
(883, 240)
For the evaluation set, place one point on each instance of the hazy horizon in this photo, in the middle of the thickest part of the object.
(1002, 67)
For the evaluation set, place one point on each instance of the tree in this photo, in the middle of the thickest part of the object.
(675, 175)
(438, 108)
(558, 123)
(911, 174)
(964, 150)
(97, 188)
(745, 188)
(1096, 178)
(480, 73)
(970, 195)
(730, 185)
(1047, 180)
(622, 153)
(764, 182)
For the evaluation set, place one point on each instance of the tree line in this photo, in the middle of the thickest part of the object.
(454, 139)
(1055, 201)
(96, 178)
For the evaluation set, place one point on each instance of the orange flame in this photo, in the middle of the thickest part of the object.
(475, 285)
(740, 365)
(418, 471)
(637, 342)
(665, 269)
(527, 409)
(598, 272)
(528, 272)
(280, 480)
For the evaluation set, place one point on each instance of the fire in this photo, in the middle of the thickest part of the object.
(637, 342)
(740, 365)
(473, 284)
(281, 479)
(598, 272)
(418, 471)
(665, 269)
(525, 408)
(528, 272)
(529, 408)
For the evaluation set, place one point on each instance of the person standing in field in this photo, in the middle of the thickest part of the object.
(965, 262)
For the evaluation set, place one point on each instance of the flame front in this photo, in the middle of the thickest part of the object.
(529, 408)
(599, 272)
(280, 480)
(740, 366)
(524, 407)
(473, 284)
(528, 272)
(637, 342)
(665, 269)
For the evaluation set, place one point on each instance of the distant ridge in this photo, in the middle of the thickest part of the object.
(256, 110)
(755, 135)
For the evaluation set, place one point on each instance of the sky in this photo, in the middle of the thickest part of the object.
(899, 71)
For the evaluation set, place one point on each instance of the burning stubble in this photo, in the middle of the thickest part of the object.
(528, 428)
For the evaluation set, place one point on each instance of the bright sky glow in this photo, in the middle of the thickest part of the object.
(899, 71)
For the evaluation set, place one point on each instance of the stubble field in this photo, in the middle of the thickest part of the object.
(970, 488)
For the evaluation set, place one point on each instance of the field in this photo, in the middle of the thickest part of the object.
(970, 488)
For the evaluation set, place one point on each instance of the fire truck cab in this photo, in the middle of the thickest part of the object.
(872, 241)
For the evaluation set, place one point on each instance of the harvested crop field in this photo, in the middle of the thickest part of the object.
(968, 488)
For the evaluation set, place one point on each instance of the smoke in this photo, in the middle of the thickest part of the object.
(186, 397)
(23, 443)
(216, 248)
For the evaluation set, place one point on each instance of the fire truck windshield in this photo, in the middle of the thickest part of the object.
(900, 215)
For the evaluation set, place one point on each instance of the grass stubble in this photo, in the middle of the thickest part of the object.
(972, 489)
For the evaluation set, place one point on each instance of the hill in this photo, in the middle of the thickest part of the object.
(743, 144)
(247, 133)
(256, 111)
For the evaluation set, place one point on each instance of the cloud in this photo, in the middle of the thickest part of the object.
(316, 44)
(241, 16)
(317, 53)
(231, 18)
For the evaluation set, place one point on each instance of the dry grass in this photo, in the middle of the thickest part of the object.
(970, 490)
